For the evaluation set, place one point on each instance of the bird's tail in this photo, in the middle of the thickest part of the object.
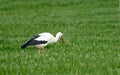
(24, 45)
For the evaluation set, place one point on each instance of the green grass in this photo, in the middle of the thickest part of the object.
(91, 30)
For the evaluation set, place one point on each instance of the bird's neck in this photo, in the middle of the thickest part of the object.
(56, 37)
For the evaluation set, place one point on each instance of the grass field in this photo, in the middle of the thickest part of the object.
(91, 30)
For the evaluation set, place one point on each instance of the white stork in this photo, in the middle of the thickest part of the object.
(43, 39)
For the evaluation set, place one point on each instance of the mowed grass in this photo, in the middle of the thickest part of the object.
(91, 31)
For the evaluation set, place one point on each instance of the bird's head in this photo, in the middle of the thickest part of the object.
(60, 36)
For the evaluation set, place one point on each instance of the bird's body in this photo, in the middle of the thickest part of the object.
(47, 37)
(43, 39)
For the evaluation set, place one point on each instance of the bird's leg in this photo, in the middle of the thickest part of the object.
(44, 50)
(39, 51)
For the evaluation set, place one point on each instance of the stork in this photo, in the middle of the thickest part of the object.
(43, 39)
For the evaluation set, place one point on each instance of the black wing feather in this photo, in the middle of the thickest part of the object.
(32, 41)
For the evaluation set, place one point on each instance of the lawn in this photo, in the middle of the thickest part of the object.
(91, 31)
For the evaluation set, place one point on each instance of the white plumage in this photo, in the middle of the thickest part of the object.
(43, 39)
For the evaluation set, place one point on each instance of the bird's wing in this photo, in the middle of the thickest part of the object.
(46, 36)
(34, 41)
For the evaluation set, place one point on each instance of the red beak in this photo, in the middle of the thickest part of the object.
(62, 39)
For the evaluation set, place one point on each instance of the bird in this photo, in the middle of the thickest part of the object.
(42, 40)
